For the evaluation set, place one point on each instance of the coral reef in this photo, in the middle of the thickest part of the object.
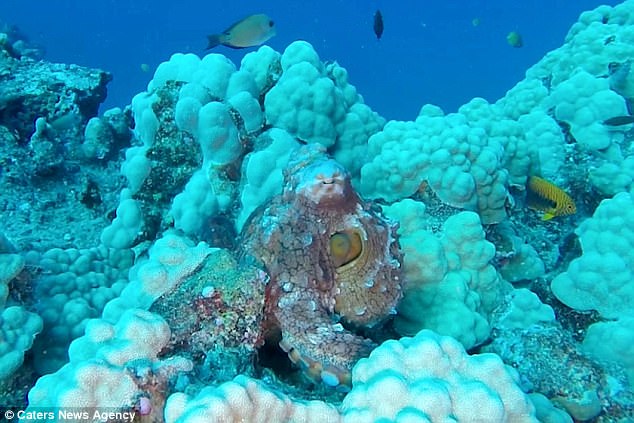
(44, 111)
(61, 94)
(262, 222)
(550, 362)
(113, 367)
(427, 378)
(18, 325)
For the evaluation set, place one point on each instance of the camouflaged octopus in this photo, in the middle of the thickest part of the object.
(334, 265)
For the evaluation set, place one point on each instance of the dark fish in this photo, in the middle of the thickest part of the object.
(549, 198)
(619, 120)
(378, 24)
(250, 31)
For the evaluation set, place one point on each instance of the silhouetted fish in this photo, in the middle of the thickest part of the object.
(250, 31)
(619, 120)
(378, 24)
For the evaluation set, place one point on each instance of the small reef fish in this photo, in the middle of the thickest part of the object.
(545, 196)
(378, 24)
(514, 39)
(475, 22)
(619, 120)
(249, 32)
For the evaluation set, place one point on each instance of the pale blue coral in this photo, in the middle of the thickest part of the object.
(262, 171)
(74, 287)
(602, 279)
(452, 288)
(460, 161)
(18, 328)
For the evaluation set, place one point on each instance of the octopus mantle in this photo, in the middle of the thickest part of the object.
(334, 264)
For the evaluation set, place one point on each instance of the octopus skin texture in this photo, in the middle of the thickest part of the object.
(333, 263)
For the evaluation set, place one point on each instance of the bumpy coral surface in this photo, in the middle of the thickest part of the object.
(431, 378)
(332, 261)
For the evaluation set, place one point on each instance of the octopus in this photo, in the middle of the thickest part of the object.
(334, 266)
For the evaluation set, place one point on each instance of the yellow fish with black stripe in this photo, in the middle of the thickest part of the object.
(547, 197)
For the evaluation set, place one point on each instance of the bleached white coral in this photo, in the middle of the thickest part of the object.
(247, 400)
(171, 259)
(430, 378)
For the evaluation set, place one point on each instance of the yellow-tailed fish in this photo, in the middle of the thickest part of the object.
(250, 31)
(547, 197)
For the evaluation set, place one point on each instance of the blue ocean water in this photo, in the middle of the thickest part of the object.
(430, 52)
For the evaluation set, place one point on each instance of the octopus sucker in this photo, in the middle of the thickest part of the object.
(331, 259)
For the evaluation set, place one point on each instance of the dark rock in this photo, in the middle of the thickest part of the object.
(551, 362)
(44, 108)
(65, 95)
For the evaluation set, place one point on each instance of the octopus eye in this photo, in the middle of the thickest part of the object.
(345, 247)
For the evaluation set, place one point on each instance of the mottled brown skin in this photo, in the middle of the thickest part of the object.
(309, 296)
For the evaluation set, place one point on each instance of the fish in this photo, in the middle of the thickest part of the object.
(378, 24)
(619, 120)
(619, 77)
(475, 22)
(545, 196)
(514, 39)
(251, 31)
